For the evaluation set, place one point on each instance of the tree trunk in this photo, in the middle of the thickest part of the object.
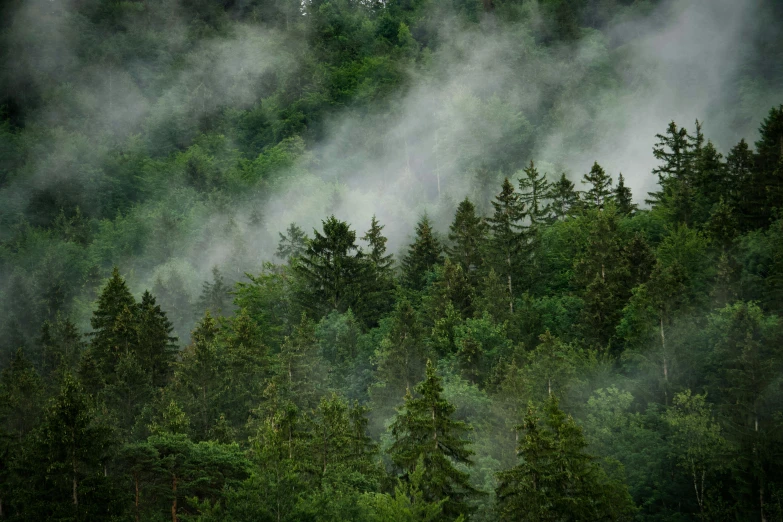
(174, 502)
(665, 365)
(136, 484)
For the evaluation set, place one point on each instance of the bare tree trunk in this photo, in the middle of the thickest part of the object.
(174, 502)
(665, 365)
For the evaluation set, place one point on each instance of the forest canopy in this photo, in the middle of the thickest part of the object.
(402, 260)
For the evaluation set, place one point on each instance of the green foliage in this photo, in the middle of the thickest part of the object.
(424, 431)
(557, 479)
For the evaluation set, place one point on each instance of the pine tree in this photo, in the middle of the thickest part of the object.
(675, 150)
(70, 452)
(740, 174)
(215, 296)
(156, 346)
(109, 335)
(556, 478)
(564, 198)
(534, 190)
(331, 269)
(377, 298)
(467, 235)
(293, 244)
(768, 185)
(600, 187)
(424, 427)
(623, 198)
(507, 239)
(402, 353)
(424, 253)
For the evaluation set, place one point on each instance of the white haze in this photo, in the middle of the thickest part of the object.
(682, 61)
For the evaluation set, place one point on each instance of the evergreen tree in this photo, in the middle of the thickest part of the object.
(556, 478)
(68, 461)
(505, 244)
(768, 185)
(534, 190)
(740, 174)
(109, 335)
(467, 235)
(331, 269)
(215, 296)
(600, 187)
(401, 356)
(293, 244)
(377, 298)
(563, 198)
(675, 174)
(623, 198)
(156, 346)
(424, 253)
(425, 427)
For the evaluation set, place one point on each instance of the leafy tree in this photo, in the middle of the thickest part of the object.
(424, 428)
(698, 444)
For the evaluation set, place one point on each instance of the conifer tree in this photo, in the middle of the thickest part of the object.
(424, 253)
(675, 151)
(215, 296)
(377, 297)
(467, 235)
(425, 428)
(623, 198)
(563, 198)
(301, 377)
(507, 238)
(331, 269)
(108, 334)
(293, 244)
(740, 174)
(600, 187)
(556, 478)
(768, 185)
(534, 190)
(156, 345)
(402, 353)
(71, 450)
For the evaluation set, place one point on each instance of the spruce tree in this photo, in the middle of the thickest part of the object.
(768, 186)
(107, 339)
(556, 478)
(424, 428)
(424, 253)
(157, 347)
(507, 238)
(402, 353)
(331, 269)
(377, 297)
(534, 190)
(600, 187)
(563, 198)
(467, 235)
(215, 296)
(623, 198)
(293, 244)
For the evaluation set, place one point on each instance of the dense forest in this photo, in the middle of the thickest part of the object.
(283, 260)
